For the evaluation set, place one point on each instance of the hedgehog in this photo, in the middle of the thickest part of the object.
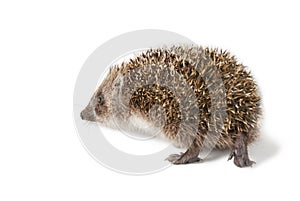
(198, 97)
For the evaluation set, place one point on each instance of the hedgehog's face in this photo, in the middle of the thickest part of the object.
(99, 108)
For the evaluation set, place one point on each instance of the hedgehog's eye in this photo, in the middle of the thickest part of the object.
(100, 100)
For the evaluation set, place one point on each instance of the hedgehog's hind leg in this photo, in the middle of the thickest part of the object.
(190, 156)
(240, 152)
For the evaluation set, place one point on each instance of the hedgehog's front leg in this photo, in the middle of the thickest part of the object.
(240, 152)
(190, 156)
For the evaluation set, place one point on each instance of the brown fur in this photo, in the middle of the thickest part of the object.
(192, 73)
(242, 99)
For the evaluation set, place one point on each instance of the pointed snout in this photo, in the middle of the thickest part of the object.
(87, 114)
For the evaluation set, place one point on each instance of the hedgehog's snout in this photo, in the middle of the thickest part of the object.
(87, 114)
(81, 115)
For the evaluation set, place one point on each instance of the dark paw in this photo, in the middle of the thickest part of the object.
(241, 160)
(240, 152)
(182, 158)
(173, 157)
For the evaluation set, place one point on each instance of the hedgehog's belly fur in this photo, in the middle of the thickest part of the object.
(153, 79)
(142, 125)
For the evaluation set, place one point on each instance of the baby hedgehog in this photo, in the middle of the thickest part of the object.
(196, 97)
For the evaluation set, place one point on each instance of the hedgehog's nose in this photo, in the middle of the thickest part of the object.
(81, 115)
(87, 114)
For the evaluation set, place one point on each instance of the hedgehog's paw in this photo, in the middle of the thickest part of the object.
(241, 160)
(173, 157)
(240, 153)
(182, 158)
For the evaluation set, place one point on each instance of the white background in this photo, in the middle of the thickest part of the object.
(42, 48)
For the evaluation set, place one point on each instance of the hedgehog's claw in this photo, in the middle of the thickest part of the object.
(240, 153)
